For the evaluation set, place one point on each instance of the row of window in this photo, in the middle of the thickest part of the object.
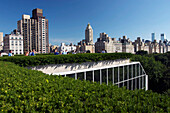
(18, 53)
(16, 50)
(15, 42)
(15, 38)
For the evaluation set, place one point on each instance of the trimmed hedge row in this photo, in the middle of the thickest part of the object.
(24, 90)
(61, 59)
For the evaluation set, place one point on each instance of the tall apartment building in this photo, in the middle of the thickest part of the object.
(107, 43)
(89, 35)
(1, 41)
(87, 44)
(127, 46)
(14, 42)
(35, 31)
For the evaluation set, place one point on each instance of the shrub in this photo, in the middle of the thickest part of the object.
(163, 58)
(24, 90)
(154, 70)
(61, 59)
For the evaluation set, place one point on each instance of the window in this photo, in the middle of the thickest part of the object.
(15, 37)
(11, 37)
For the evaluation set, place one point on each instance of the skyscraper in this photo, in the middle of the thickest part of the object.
(34, 31)
(163, 37)
(153, 37)
(43, 35)
(89, 35)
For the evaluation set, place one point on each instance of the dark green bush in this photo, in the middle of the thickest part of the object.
(163, 58)
(155, 71)
(24, 90)
(61, 59)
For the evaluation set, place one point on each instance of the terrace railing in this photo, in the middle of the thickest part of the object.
(131, 75)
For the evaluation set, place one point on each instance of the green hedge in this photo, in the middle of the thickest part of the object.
(24, 90)
(61, 59)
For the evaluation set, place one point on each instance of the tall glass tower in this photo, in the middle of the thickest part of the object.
(163, 37)
(153, 37)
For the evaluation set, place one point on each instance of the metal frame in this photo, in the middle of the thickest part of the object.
(134, 76)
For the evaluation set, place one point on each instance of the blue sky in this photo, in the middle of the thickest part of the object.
(69, 18)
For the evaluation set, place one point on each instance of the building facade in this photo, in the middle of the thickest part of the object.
(127, 46)
(89, 35)
(87, 45)
(14, 42)
(107, 43)
(151, 47)
(35, 31)
(1, 41)
(70, 48)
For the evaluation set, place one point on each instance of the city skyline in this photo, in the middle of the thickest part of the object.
(68, 19)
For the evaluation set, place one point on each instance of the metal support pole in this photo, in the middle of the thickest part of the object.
(123, 76)
(142, 79)
(128, 77)
(85, 75)
(75, 76)
(100, 76)
(135, 76)
(93, 75)
(146, 82)
(113, 75)
(118, 77)
(107, 76)
(65, 75)
(132, 77)
(139, 75)
(142, 82)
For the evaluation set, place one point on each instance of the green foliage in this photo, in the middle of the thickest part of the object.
(24, 90)
(163, 58)
(61, 59)
(164, 82)
(155, 70)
